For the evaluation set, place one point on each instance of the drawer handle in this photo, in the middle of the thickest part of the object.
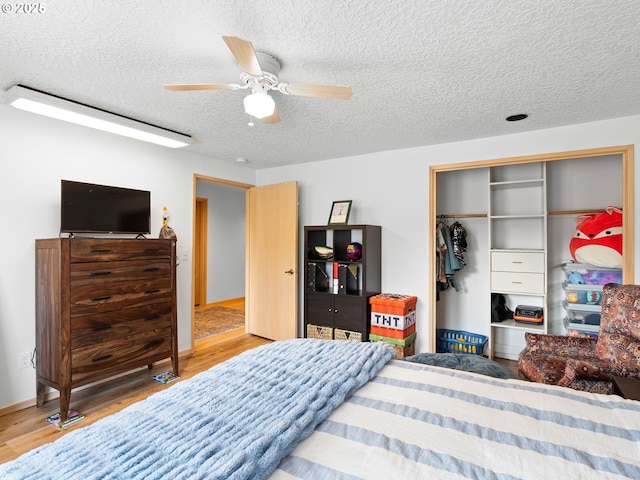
(102, 358)
(150, 269)
(95, 274)
(151, 249)
(516, 262)
(148, 319)
(98, 299)
(100, 250)
(517, 283)
(104, 327)
(149, 292)
(153, 344)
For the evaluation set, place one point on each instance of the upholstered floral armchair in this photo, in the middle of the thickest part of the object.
(587, 363)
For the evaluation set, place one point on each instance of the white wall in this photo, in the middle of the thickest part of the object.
(226, 240)
(391, 189)
(36, 152)
(387, 188)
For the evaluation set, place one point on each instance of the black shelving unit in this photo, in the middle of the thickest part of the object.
(342, 312)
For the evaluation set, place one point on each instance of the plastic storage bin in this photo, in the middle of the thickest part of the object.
(583, 273)
(459, 341)
(582, 294)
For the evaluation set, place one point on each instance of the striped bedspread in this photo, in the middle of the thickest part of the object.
(415, 421)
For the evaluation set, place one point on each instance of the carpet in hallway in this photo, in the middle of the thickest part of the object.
(216, 320)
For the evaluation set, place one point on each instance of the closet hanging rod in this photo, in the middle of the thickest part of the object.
(554, 212)
(463, 215)
(575, 212)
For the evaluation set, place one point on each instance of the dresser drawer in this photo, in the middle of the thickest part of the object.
(108, 296)
(103, 250)
(133, 270)
(118, 324)
(510, 282)
(532, 262)
(99, 360)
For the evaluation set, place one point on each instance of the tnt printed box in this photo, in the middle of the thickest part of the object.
(393, 311)
(393, 316)
(393, 332)
(393, 304)
(397, 322)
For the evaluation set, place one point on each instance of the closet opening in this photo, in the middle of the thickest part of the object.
(537, 221)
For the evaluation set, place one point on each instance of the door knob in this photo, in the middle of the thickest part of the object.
(290, 271)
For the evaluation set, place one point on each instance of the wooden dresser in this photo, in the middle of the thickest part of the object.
(103, 306)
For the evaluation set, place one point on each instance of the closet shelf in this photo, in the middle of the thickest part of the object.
(519, 326)
(500, 217)
(516, 250)
(516, 182)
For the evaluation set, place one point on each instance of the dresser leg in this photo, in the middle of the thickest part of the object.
(41, 389)
(174, 364)
(65, 399)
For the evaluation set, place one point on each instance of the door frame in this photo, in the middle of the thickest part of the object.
(625, 151)
(220, 181)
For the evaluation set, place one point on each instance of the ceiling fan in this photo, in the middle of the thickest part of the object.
(260, 74)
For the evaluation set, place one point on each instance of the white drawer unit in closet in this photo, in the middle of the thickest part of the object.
(517, 249)
(517, 272)
(517, 261)
(525, 283)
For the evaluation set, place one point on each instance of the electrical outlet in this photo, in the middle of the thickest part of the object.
(25, 360)
(185, 255)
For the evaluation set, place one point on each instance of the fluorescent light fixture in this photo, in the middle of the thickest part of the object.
(42, 103)
(259, 104)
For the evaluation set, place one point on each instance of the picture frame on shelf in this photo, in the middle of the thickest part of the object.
(340, 211)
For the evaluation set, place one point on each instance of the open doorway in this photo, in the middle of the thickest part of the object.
(219, 260)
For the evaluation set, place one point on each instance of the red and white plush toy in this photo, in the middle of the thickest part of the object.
(598, 239)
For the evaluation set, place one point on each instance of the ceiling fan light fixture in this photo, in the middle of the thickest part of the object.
(259, 104)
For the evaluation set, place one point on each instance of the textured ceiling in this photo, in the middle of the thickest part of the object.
(422, 72)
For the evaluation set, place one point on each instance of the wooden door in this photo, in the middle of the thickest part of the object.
(272, 261)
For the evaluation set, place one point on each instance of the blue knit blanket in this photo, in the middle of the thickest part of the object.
(234, 421)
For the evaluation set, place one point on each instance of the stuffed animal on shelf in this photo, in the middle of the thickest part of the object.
(575, 278)
(598, 239)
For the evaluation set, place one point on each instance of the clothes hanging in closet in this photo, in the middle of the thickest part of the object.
(451, 244)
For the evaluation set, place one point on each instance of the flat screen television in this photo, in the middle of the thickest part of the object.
(91, 208)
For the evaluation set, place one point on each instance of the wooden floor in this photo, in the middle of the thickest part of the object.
(510, 364)
(235, 303)
(26, 429)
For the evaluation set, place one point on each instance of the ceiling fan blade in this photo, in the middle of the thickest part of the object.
(199, 86)
(320, 91)
(273, 118)
(245, 55)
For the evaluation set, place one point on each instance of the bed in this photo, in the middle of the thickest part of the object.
(321, 409)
